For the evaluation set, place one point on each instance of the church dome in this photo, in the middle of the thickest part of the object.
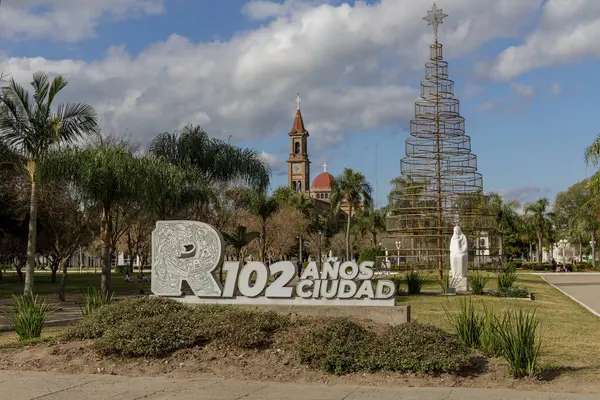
(323, 181)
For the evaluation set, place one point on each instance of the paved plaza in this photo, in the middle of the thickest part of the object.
(582, 287)
(52, 386)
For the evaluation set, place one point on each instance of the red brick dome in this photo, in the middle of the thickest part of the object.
(323, 181)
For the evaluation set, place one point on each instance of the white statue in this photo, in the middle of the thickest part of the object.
(459, 258)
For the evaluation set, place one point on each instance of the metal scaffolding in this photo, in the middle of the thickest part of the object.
(440, 185)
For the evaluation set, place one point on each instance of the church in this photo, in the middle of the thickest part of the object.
(299, 167)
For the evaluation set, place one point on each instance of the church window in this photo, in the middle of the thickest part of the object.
(294, 185)
(299, 186)
(326, 195)
(297, 148)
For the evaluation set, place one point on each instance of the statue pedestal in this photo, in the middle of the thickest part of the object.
(461, 285)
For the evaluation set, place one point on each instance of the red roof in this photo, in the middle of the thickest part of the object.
(323, 181)
(298, 124)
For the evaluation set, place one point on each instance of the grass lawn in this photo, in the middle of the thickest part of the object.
(569, 332)
(76, 284)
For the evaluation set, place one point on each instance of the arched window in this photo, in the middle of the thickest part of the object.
(299, 186)
(326, 195)
(294, 185)
(318, 195)
(297, 148)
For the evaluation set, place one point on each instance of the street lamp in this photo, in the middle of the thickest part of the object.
(593, 244)
(320, 255)
(398, 245)
(562, 244)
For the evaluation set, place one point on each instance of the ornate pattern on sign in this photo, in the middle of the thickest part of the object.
(185, 251)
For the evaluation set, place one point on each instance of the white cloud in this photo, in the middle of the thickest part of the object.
(487, 106)
(277, 164)
(556, 89)
(473, 90)
(245, 87)
(568, 32)
(523, 91)
(63, 20)
(525, 194)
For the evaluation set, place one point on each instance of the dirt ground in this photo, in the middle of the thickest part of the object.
(273, 364)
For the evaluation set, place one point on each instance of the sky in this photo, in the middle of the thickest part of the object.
(524, 72)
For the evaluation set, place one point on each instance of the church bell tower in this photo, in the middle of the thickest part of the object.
(298, 162)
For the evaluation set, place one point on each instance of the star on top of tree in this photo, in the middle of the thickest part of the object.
(435, 17)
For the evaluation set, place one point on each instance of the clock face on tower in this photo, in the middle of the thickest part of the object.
(296, 167)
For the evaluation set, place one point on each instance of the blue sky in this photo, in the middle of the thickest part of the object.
(523, 72)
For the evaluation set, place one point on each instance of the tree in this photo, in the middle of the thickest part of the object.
(263, 207)
(218, 161)
(104, 175)
(351, 188)
(539, 214)
(373, 222)
(30, 127)
(506, 217)
(238, 239)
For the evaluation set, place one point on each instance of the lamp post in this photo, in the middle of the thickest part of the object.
(593, 244)
(398, 245)
(320, 255)
(300, 249)
(562, 244)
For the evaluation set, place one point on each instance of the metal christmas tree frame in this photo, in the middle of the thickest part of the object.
(441, 185)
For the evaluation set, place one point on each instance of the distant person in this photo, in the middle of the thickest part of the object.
(299, 266)
(554, 265)
(127, 278)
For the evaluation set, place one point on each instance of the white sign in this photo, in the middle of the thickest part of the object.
(192, 251)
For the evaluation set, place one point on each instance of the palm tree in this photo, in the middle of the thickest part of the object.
(351, 188)
(105, 175)
(218, 161)
(539, 214)
(506, 217)
(238, 239)
(373, 222)
(263, 207)
(30, 126)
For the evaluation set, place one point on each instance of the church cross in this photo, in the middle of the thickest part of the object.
(325, 167)
(298, 100)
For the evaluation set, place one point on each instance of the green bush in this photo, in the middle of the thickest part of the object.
(123, 269)
(154, 327)
(154, 336)
(507, 279)
(488, 338)
(337, 346)
(93, 300)
(242, 327)
(371, 253)
(28, 315)
(515, 291)
(414, 281)
(114, 314)
(477, 282)
(519, 342)
(467, 323)
(415, 347)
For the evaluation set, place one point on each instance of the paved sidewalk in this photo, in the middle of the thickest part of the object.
(49, 386)
(583, 288)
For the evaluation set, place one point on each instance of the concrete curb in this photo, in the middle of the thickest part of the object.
(597, 314)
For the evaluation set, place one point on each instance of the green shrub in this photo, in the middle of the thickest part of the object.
(478, 282)
(154, 327)
(488, 339)
(447, 282)
(467, 323)
(415, 347)
(507, 279)
(414, 281)
(93, 300)
(154, 336)
(28, 315)
(123, 269)
(114, 314)
(242, 327)
(337, 346)
(515, 291)
(371, 253)
(519, 342)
